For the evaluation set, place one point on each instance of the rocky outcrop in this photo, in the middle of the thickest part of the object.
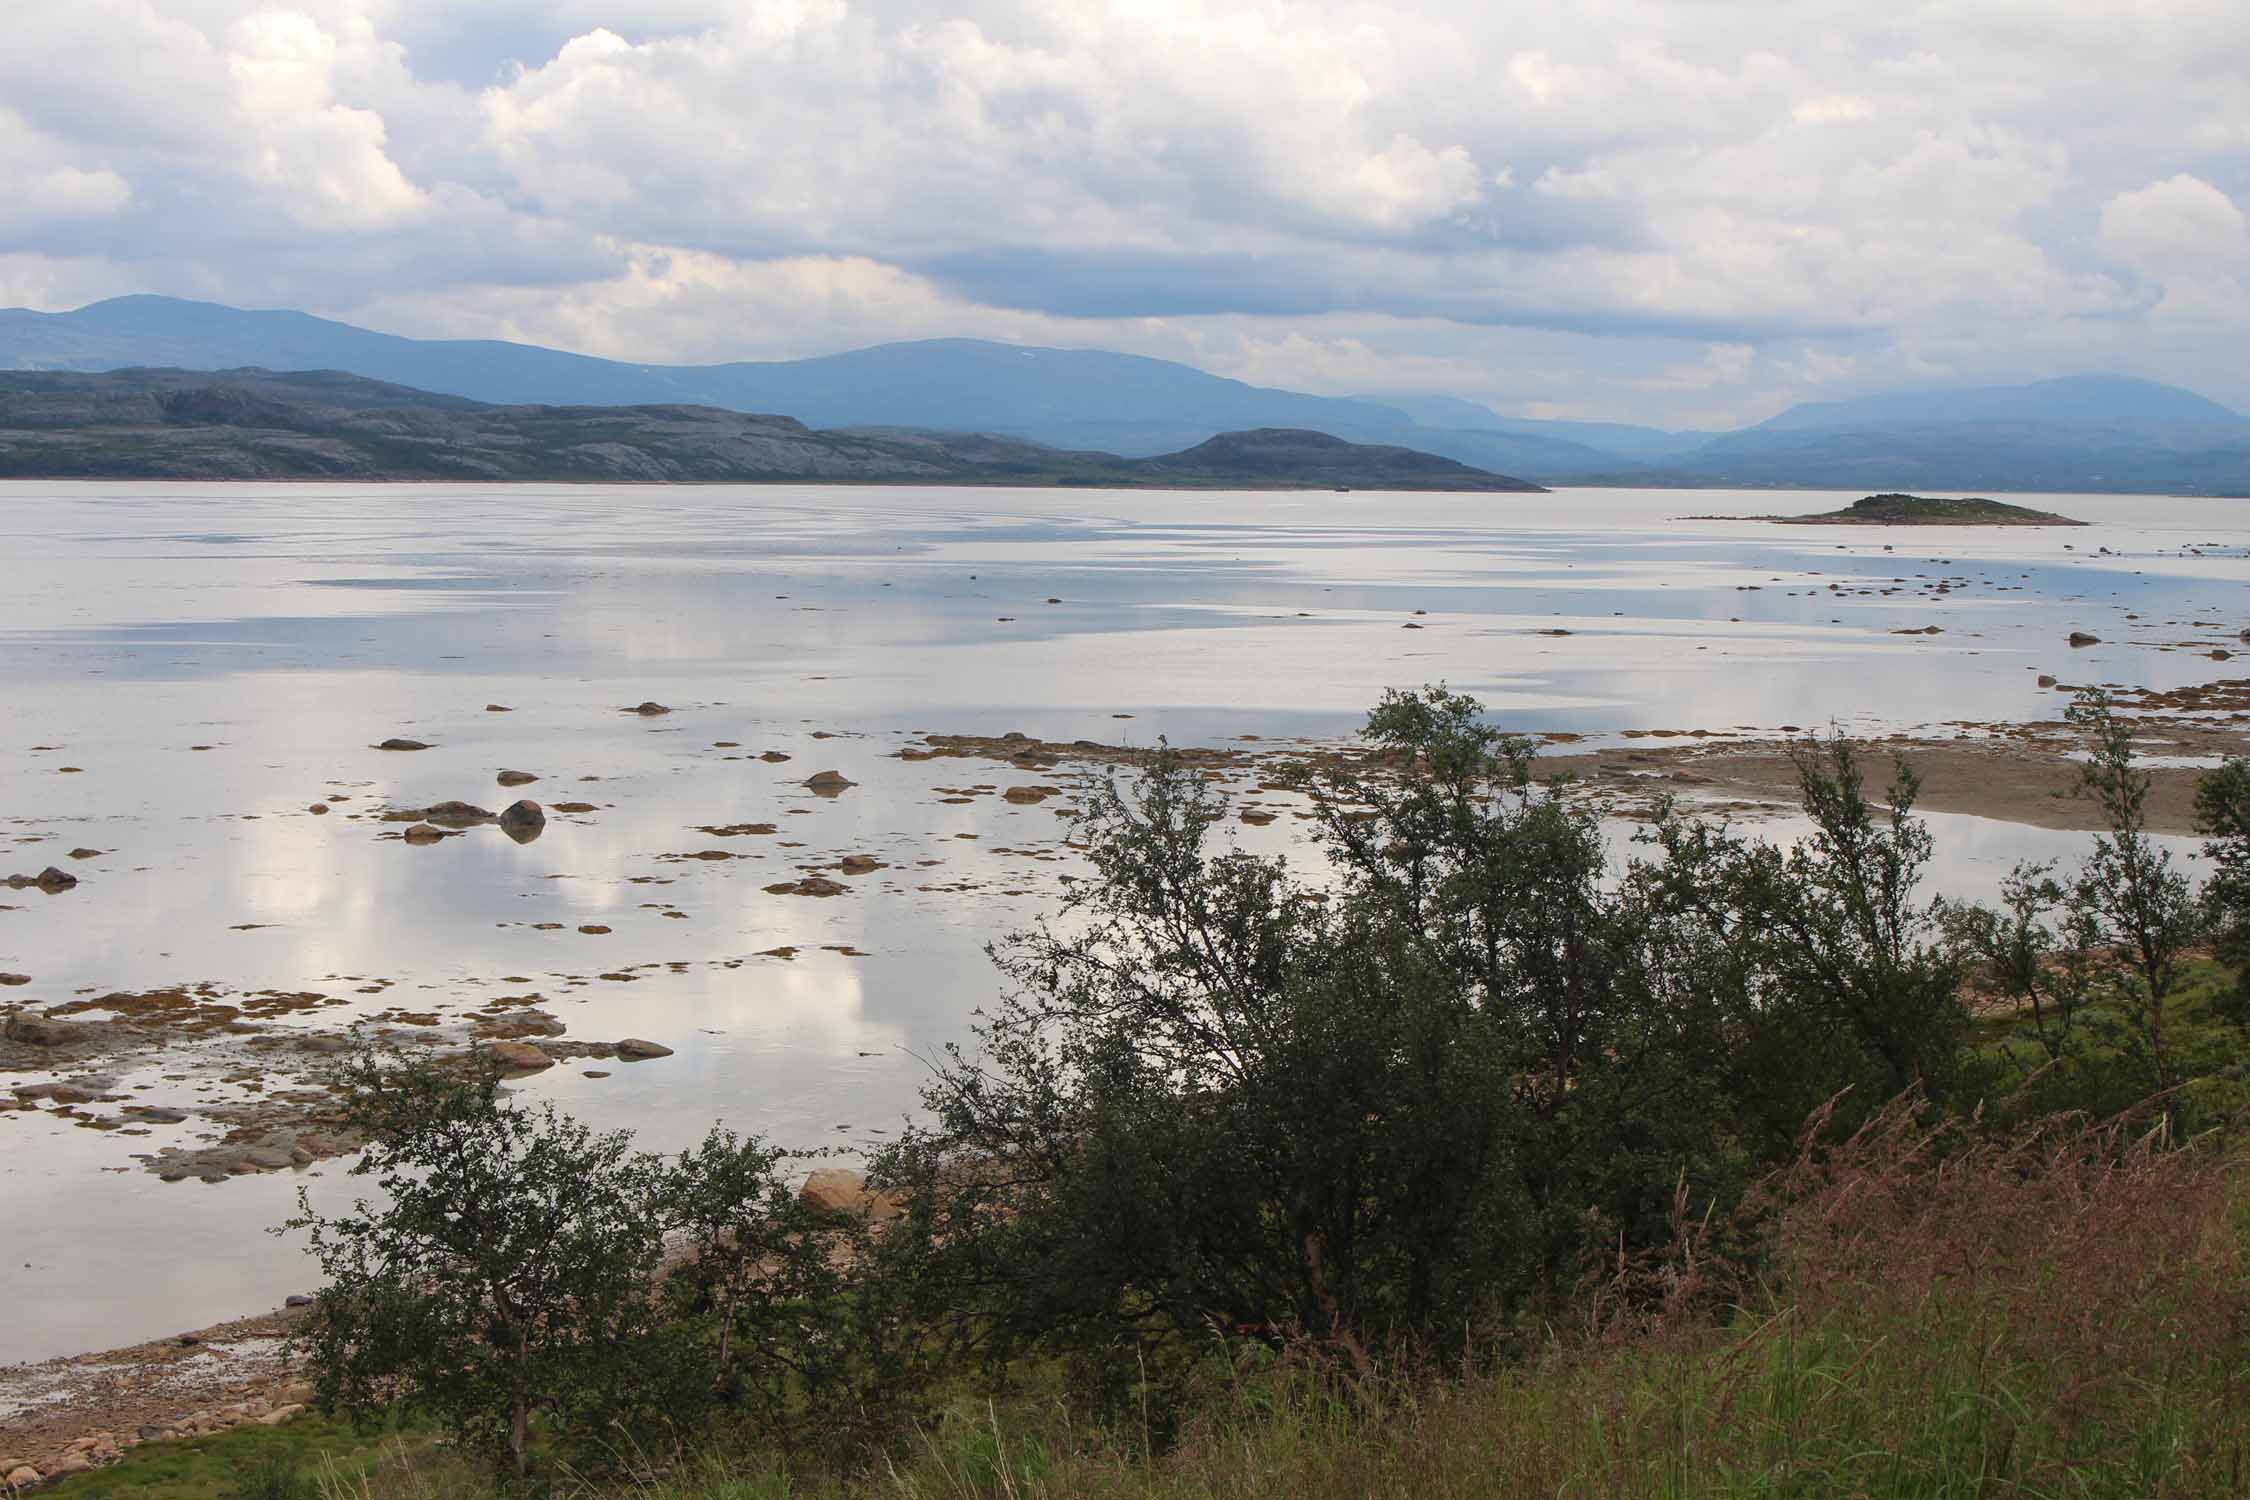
(254, 424)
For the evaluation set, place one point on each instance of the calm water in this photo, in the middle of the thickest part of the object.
(289, 627)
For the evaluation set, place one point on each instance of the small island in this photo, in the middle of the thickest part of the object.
(1920, 510)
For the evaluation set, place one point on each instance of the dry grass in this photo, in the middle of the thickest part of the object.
(2063, 1315)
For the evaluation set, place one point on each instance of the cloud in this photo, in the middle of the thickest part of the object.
(2191, 242)
(2180, 226)
(1373, 195)
(44, 188)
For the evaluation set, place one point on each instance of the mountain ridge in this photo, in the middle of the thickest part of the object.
(2079, 432)
(257, 424)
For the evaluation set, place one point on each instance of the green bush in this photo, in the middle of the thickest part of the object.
(1396, 1103)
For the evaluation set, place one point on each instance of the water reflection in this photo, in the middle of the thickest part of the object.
(216, 660)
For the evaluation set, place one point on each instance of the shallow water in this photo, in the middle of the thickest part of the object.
(289, 627)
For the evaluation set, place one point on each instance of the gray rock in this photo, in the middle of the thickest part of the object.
(39, 1031)
(402, 744)
(520, 1057)
(636, 1047)
(523, 821)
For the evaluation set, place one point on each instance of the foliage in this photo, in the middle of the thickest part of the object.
(2064, 1311)
(509, 1275)
(2222, 807)
(806, 1338)
(1454, 1077)
(1399, 1104)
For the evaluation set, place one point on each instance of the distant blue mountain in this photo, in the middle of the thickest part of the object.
(964, 384)
(2110, 402)
(2099, 432)
(1613, 440)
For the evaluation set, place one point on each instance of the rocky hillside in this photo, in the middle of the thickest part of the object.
(254, 424)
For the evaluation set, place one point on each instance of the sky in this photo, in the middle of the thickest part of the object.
(1684, 212)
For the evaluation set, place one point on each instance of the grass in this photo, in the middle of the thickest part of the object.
(2063, 1315)
(2203, 1045)
(297, 1461)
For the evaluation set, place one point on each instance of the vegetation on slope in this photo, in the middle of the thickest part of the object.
(251, 424)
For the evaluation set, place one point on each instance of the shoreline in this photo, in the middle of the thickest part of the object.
(234, 1371)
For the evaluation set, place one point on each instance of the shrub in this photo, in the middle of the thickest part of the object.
(507, 1276)
(1397, 1103)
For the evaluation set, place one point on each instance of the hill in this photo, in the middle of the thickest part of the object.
(253, 424)
(2079, 433)
(1919, 510)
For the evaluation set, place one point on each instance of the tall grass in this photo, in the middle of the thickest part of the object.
(2064, 1315)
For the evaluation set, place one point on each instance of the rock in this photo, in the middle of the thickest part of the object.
(402, 744)
(297, 1299)
(636, 1047)
(324, 1044)
(837, 1190)
(157, 1114)
(281, 1414)
(39, 1031)
(22, 1477)
(69, 1463)
(2081, 638)
(12, 979)
(455, 814)
(2222, 655)
(811, 885)
(52, 880)
(68, 1091)
(773, 757)
(317, 808)
(575, 807)
(515, 778)
(2046, 681)
(859, 864)
(1027, 794)
(498, 708)
(523, 820)
(519, 1057)
(85, 854)
(828, 783)
(422, 833)
(649, 709)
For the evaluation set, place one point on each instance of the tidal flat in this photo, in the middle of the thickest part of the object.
(200, 680)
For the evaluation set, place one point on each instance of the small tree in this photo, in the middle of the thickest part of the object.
(802, 1326)
(507, 1275)
(2222, 816)
(2128, 899)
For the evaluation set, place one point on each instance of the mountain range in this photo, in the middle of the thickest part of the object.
(254, 424)
(2079, 433)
